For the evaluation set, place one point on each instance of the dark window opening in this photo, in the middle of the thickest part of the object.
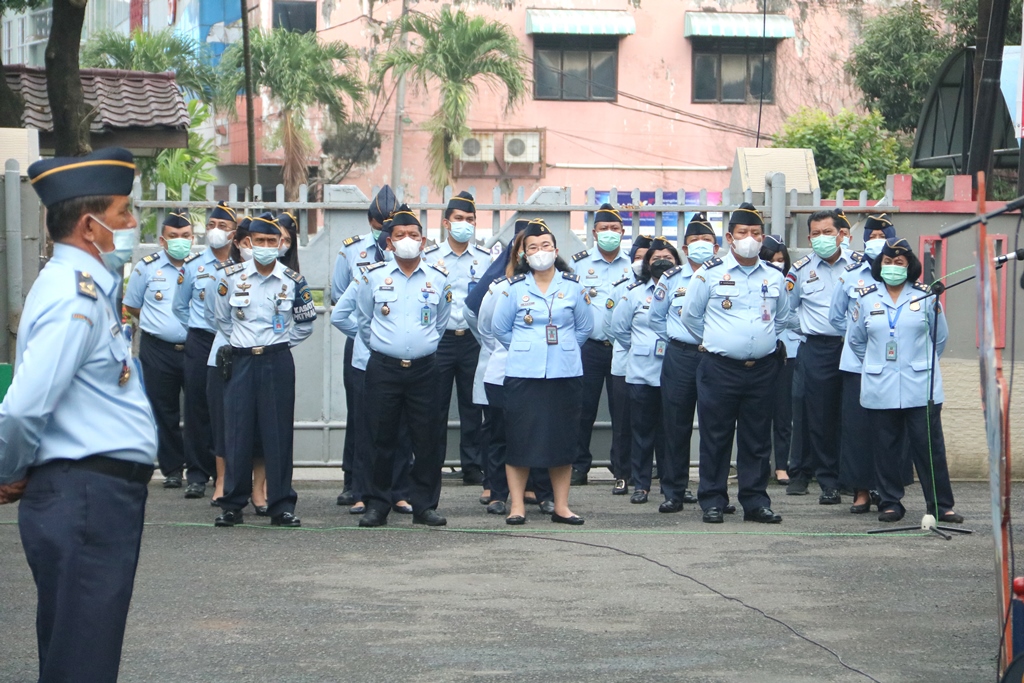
(575, 68)
(733, 71)
(295, 16)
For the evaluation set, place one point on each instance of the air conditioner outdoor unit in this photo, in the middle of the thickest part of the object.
(478, 147)
(522, 148)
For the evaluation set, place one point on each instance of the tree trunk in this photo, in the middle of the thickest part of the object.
(981, 41)
(250, 122)
(11, 104)
(64, 82)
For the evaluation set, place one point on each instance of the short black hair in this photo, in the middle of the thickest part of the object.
(62, 217)
(772, 245)
(657, 245)
(914, 269)
(821, 216)
(240, 235)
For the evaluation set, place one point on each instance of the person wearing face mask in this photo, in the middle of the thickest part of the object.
(149, 298)
(599, 270)
(77, 434)
(736, 307)
(458, 350)
(811, 283)
(630, 327)
(897, 332)
(190, 308)
(263, 310)
(857, 459)
(845, 230)
(288, 252)
(542, 319)
(682, 358)
(355, 253)
(403, 308)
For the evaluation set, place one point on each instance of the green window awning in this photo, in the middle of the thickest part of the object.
(735, 25)
(580, 22)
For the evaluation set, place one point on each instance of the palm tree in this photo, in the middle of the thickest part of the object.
(454, 51)
(300, 73)
(155, 52)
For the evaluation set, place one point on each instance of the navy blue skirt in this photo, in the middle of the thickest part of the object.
(542, 421)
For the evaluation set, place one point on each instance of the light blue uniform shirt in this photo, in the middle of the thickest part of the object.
(403, 316)
(735, 313)
(667, 307)
(529, 352)
(598, 278)
(66, 400)
(260, 310)
(355, 252)
(903, 381)
(210, 286)
(494, 373)
(620, 357)
(463, 272)
(814, 280)
(345, 317)
(631, 327)
(479, 393)
(190, 299)
(152, 286)
(855, 276)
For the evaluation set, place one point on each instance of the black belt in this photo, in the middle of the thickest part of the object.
(402, 363)
(122, 469)
(824, 339)
(201, 333)
(259, 350)
(599, 341)
(687, 347)
(160, 342)
(455, 333)
(770, 358)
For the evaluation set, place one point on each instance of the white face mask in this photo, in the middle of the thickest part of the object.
(747, 247)
(246, 253)
(638, 267)
(541, 261)
(282, 250)
(217, 238)
(408, 248)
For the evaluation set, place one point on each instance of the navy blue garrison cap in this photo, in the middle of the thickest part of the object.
(463, 201)
(106, 172)
(286, 219)
(177, 219)
(223, 212)
(265, 224)
(383, 205)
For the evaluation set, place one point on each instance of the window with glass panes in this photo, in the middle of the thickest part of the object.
(733, 71)
(575, 67)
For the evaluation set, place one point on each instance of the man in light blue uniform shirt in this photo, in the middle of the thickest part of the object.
(736, 307)
(458, 350)
(149, 298)
(811, 282)
(404, 308)
(77, 436)
(599, 270)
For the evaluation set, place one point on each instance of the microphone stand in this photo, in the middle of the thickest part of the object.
(930, 522)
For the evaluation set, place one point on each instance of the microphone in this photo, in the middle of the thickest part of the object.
(1012, 256)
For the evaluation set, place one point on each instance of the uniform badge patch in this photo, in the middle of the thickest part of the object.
(222, 289)
(659, 294)
(727, 304)
(307, 296)
(789, 285)
(609, 304)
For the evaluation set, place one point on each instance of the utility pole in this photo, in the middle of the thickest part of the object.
(1020, 129)
(250, 123)
(396, 148)
(988, 92)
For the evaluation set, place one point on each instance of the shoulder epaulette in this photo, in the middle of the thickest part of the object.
(801, 263)
(580, 255)
(192, 257)
(222, 266)
(635, 285)
(439, 269)
(672, 271)
(517, 278)
(922, 287)
(619, 282)
(572, 277)
(712, 262)
(350, 241)
(499, 281)
(852, 266)
(293, 275)
(864, 291)
(378, 264)
(152, 257)
(86, 286)
(482, 250)
(857, 256)
(431, 248)
(234, 269)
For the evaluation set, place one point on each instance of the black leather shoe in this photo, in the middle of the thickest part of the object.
(575, 520)
(713, 516)
(689, 498)
(286, 519)
(496, 507)
(876, 498)
(894, 515)
(172, 482)
(472, 477)
(215, 502)
(951, 517)
(515, 520)
(796, 487)
(546, 506)
(430, 518)
(357, 509)
(729, 509)
(671, 505)
(261, 510)
(860, 508)
(579, 478)
(346, 497)
(374, 517)
(402, 509)
(229, 518)
(621, 488)
(484, 500)
(829, 497)
(762, 515)
(639, 496)
(195, 491)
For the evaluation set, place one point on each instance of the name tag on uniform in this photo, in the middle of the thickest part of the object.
(766, 314)
(659, 348)
(890, 349)
(877, 312)
(278, 321)
(551, 332)
(729, 283)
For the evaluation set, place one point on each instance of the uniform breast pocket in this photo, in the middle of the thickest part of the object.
(774, 291)
(812, 287)
(385, 296)
(119, 348)
(920, 365)
(519, 346)
(640, 350)
(284, 305)
(239, 301)
(873, 368)
(433, 298)
(158, 290)
(728, 291)
(678, 302)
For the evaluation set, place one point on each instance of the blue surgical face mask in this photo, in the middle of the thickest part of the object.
(264, 255)
(608, 240)
(178, 248)
(873, 248)
(388, 255)
(700, 251)
(845, 242)
(124, 245)
(461, 231)
(824, 245)
(894, 275)
(376, 234)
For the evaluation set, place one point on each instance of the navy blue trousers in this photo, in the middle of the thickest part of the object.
(163, 371)
(597, 373)
(894, 431)
(404, 394)
(782, 417)
(260, 404)
(799, 448)
(457, 357)
(198, 435)
(497, 479)
(735, 401)
(362, 459)
(678, 404)
(81, 531)
(857, 460)
(348, 454)
(648, 432)
(622, 430)
(823, 405)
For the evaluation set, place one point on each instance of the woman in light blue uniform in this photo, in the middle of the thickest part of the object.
(631, 328)
(542, 319)
(894, 321)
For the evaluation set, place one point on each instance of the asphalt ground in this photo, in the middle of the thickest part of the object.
(633, 595)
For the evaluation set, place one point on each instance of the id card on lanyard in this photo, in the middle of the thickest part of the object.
(891, 346)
